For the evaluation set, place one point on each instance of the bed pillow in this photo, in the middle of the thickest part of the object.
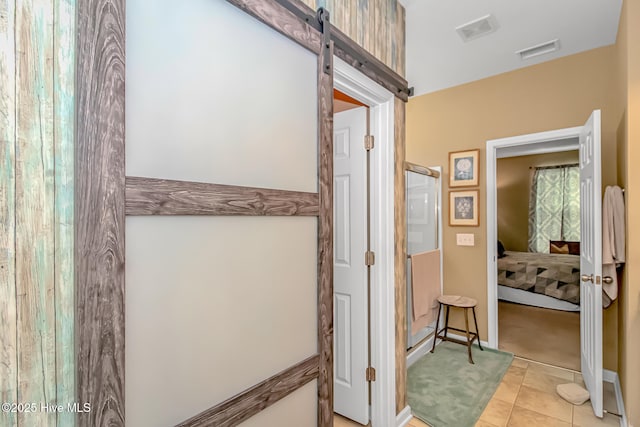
(563, 247)
(500, 250)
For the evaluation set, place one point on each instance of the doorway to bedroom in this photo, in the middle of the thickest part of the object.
(538, 266)
(586, 139)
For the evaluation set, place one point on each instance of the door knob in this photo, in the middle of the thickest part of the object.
(587, 278)
(607, 279)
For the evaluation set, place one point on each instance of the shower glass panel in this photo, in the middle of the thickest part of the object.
(423, 210)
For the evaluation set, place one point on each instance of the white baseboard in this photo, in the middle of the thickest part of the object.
(463, 338)
(403, 418)
(420, 350)
(425, 347)
(612, 377)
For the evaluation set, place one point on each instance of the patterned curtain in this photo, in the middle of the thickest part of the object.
(554, 207)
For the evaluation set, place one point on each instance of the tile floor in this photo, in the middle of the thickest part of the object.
(526, 397)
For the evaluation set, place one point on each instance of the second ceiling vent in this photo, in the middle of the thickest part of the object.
(477, 28)
(539, 49)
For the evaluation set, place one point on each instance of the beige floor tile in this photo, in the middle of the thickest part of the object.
(551, 405)
(507, 391)
(340, 421)
(551, 370)
(521, 417)
(583, 417)
(519, 363)
(417, 423)
(514, 375)
(497, 412)
(542, 381)
(481, 423)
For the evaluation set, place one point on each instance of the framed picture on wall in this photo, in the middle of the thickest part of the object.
(463, 168)
(463, 208)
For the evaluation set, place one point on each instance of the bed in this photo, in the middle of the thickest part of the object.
(543, 280)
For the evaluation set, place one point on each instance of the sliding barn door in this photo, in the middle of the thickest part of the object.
(227, 286)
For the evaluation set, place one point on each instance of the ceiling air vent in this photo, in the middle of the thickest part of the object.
(477, 28)
(540, 49)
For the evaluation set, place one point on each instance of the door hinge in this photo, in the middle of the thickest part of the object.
(368, 142)
(371, 374)
(369, 258)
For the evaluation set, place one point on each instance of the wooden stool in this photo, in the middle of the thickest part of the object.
(460, 302)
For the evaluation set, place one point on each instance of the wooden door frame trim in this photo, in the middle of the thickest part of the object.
(100, 208)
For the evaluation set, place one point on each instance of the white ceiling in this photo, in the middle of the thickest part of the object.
(437, 58)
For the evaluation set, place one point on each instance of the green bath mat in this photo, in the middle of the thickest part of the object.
(445, 390)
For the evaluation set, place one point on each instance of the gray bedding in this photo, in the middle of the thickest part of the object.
(554, 275)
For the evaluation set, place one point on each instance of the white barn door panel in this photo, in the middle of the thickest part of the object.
(216, 304)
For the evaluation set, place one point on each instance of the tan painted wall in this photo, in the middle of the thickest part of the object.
(553, 95)
(513, 180)
(628, 91)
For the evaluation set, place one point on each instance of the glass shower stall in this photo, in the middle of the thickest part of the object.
(424, 229)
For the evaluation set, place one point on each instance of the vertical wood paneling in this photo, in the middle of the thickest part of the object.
(36, 330)
(392, 7)
(386, 28)
(376, 25)
(381, 31)
(64, 113)
(100, 210)
(325, 241)
(400, 256)
(34, 215)
(362, 23)
(353, 20)
(400, 65)
(8, 319)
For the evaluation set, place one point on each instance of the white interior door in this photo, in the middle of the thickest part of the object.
(350, 275)
(591, 260)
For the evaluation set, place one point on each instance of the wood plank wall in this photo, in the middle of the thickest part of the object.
(376, 25)
(379, 27)
(36, 208)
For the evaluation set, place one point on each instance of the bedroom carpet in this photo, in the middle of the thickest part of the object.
(445, 390)
(540, 334)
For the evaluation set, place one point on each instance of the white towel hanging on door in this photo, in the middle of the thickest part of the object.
(613, 237)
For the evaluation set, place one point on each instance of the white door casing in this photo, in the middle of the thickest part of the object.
(381, 104)
(350, 273)
(591, 260)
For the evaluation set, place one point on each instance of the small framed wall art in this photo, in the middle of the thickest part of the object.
(463, 208)
(463, 168)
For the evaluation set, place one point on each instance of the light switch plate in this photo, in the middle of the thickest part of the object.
(465, 239)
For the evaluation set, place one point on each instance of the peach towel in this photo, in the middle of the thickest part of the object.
(425, 288)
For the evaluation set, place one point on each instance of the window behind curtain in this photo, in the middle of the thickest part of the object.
(554, 206)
